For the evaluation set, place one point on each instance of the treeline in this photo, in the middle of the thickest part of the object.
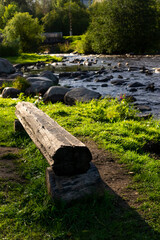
(23, 22)
(109, 27)
(120, 26)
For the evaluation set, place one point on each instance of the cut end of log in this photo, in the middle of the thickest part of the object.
(71, 160)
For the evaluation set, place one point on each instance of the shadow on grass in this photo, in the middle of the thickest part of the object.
(106, 218)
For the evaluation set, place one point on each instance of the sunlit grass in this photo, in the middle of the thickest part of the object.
(33, 57)
(26, 210)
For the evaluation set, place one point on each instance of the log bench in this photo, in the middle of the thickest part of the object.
(69, 158)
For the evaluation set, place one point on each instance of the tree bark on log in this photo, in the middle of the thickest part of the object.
(65, 153)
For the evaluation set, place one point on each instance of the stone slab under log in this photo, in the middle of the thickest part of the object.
(76, 187)
(65, 153)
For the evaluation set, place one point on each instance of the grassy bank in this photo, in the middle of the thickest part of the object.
(32, 58)
(26, 210)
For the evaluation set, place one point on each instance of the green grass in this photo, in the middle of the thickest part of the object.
(26, 210)
(32, 58)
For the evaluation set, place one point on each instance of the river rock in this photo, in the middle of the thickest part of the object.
(64, 74)
(10, 92)
(104, 85)
(55, 94)
(118, 82)
(143, 108)
(136, 84)
(35, 79)
(80, 94)
(51, 76)
(150, 87)
(38, 87)
(104, 79)
(133, 90)
(6, 66)
(15, 75)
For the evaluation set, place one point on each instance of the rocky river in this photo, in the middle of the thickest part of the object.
(136, 77)
(116, 76)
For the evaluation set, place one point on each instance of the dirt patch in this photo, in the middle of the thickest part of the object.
(7, 165)
(115, 176)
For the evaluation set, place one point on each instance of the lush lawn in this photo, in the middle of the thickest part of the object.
(32, 58)
(26, 210)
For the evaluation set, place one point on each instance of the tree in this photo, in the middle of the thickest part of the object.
(58, 20)
(120, 26)
(9, 12)
(24, 29)
(1, 15)
(21, 4)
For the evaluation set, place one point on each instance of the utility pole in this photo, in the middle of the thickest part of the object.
(70, 19)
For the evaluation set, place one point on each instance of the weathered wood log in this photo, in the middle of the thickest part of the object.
(75, 187)
(65, 153)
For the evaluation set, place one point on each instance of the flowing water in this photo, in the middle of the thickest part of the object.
(126, 69)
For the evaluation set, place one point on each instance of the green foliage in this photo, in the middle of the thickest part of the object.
(84, 45)
(21, 83)
(24, 29)
(59, 19)
(70, 44)
(124, 26)
(1, 14)
(9, 12)
(9, 49)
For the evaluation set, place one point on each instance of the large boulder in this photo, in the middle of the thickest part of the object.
(38, 87)
(38, 79)
(6, 66)
(10, 92)
(81, 95)
(15, 75)
(50, 75)
(55, 94)
(136, 84)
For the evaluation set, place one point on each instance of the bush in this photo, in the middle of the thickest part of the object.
(25, 30)
(21, 83)
(9, 50)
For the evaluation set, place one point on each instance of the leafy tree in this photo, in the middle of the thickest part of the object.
(119, 26)
(1, 15)
(21, 4)
(26, 30)
(9, 12)
(58, 20)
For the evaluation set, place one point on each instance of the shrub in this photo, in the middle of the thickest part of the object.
(21, 83)
(9, 50)
(24, 29)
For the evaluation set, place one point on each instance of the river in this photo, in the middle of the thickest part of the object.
(113, 76)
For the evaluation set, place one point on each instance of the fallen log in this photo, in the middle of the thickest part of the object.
(65, 153)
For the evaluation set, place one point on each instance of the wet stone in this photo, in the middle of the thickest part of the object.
(136, 84)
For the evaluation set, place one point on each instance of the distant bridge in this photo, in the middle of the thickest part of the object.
(53, 37)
